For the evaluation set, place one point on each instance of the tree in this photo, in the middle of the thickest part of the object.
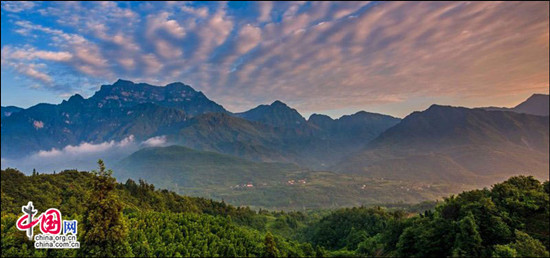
(468, 240)
(372, 246)
(105, 230)
(320, 251)
(504, 251)
(270, 246)
(526, 246)
(355, 237)
(231, 251)
(407, 242)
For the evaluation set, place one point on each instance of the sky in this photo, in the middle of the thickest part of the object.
(333, 58)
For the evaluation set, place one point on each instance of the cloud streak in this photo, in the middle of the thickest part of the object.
(313, 55)
(156, 141)
(87, 148)
(17, 6)
(82, 156)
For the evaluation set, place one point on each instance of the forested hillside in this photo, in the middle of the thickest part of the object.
(510, 219)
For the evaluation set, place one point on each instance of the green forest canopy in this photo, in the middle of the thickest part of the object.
(510, 219)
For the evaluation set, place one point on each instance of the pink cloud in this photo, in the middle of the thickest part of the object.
(319, 55)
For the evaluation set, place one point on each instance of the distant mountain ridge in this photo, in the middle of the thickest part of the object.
(456, 144)
(9, 110)
(277, 114)
(361, 124)
(537, 104)
(304, 144)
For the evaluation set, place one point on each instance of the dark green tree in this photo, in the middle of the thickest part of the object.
(406, 245)
(231, 251)
(372, 246)
(468, 241)
(504, 251)
(270, 246)
(320, 251)
(105, 230)
(355, 237)
(526, 246)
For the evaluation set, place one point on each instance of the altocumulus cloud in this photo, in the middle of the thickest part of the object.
(313, 55)
(17, 6)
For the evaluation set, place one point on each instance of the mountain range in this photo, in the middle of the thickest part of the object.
(207, 150)
(456, 144)
(273, 132)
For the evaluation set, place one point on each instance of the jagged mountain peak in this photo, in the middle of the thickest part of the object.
(315, 116)
(123, 82)
(277, 114)
(278, 103)
(362, 115)
(180, 86)
(537, 104)
(76, 98)
(538, 95)
(442, 107)
(125, 93)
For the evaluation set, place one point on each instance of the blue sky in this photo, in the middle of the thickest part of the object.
(318, 57)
